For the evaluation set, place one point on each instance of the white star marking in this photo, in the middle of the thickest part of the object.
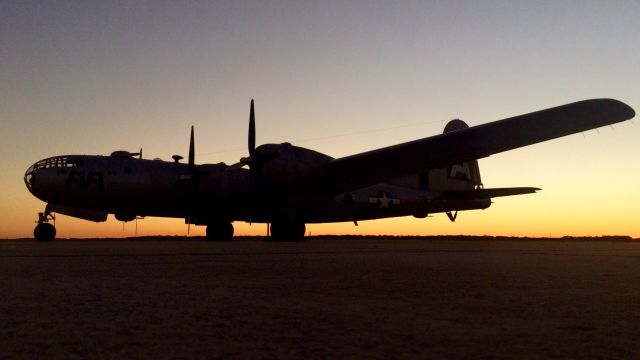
(384, 201)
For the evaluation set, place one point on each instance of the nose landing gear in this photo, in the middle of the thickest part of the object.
(45, 231)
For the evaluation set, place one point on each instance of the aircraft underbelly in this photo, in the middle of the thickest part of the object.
(384, 201)
(357, 213)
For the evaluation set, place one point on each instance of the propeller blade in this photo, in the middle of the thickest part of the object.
(139, 154)
(192, 164)
(252, 130)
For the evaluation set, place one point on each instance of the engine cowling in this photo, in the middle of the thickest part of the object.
(284, 165)
(125, 217)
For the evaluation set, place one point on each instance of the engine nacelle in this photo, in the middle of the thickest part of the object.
(284, 165)
(125, 217)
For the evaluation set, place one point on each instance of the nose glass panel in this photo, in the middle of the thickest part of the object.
(29, 177)
(50, 163)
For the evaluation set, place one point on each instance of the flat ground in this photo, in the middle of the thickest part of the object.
(320, 299)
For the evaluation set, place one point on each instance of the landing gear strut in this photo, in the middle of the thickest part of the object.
(219, 231)
(45, 231)
(287, 231)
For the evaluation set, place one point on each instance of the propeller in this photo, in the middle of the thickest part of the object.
(138, 154)
(194, 176)
(249, 160)
(191, 159)
(256, 160)
(259, 156)
(252, 130)
(192, 155)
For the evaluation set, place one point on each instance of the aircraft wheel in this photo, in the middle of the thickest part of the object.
(44, 232)
(222, 231)
(281, 231)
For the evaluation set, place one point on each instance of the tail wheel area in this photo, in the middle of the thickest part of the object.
(220, 231)
(287, 231)
(44, 232)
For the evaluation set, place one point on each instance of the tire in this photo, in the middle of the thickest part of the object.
(222, 231)
(287, 231)
(44, 232)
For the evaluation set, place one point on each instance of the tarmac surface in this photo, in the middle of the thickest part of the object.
(324, 298)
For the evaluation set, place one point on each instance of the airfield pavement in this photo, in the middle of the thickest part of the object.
(324, 298)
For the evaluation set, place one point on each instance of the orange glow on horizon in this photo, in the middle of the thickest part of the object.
(468, 223)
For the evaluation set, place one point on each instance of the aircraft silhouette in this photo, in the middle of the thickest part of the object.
(288, 186)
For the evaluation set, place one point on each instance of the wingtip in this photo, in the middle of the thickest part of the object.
(617, 109)
(630, 113)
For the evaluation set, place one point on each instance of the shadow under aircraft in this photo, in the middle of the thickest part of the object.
(287, 186)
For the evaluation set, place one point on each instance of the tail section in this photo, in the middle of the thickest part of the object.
(463, 176)
(458, 186)
(458, 182)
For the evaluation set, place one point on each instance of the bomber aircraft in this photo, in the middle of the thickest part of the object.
(287, 186)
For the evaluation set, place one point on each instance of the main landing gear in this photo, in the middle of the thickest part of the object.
(279, 231)
(45, 231)
(287, 231)
(219, 231)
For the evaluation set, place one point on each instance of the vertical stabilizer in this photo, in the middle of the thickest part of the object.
(463, 176)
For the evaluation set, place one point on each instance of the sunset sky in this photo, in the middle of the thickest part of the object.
(90, 77)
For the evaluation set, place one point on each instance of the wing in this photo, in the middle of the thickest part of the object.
(475, 142)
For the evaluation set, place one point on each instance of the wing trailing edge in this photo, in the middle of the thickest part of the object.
(475, 142)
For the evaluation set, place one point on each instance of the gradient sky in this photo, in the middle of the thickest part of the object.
(90, 77)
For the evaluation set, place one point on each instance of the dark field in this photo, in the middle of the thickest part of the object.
(322, 298)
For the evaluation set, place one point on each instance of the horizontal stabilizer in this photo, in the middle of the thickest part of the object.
(486, 193)
(476, 142)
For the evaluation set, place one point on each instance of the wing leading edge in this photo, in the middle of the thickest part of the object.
(475, 142)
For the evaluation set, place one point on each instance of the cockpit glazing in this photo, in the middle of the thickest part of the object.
(56, 162)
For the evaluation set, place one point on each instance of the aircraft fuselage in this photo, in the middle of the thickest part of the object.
(128, 187)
